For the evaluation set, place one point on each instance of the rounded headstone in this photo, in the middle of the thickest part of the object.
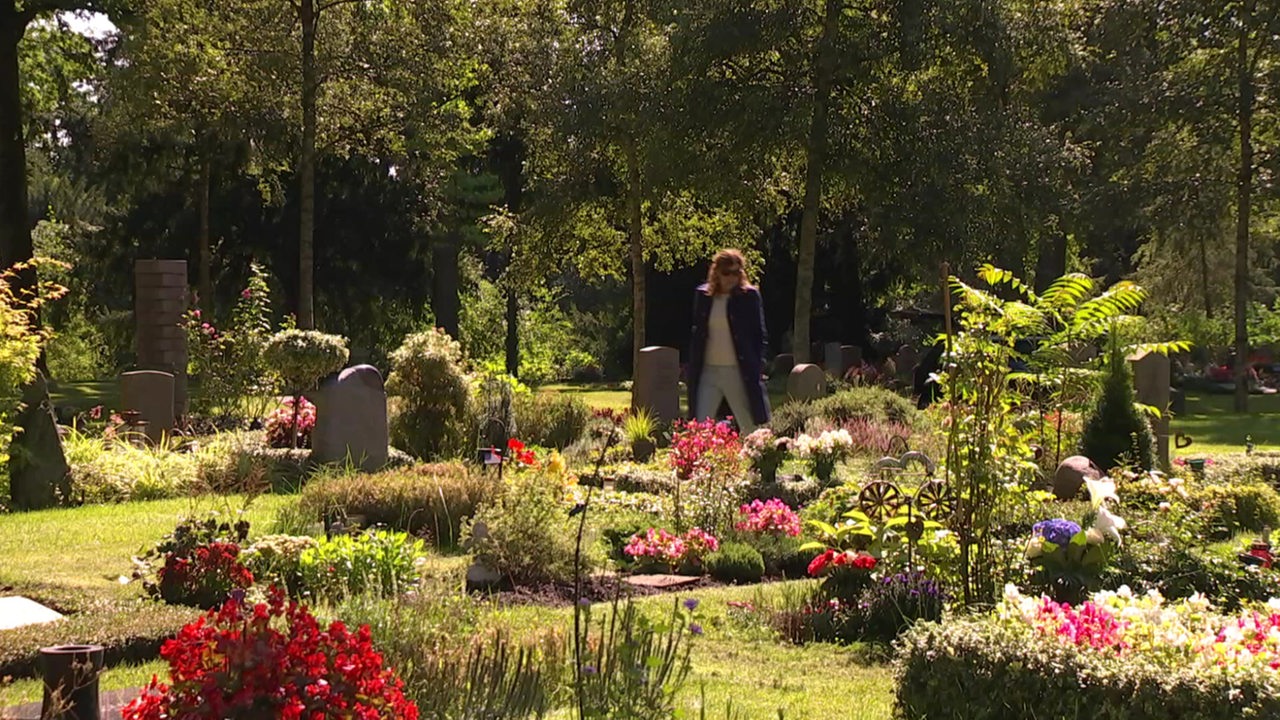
(806, 382)
(1071, 474)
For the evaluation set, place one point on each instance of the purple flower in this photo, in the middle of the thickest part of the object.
(588, 669)
(695, 628)
(1057, 531)
(584, 602)
(691, 604)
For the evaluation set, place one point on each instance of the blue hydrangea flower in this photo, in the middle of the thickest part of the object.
(1057, 531)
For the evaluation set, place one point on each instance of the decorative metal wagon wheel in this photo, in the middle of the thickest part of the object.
(880, 499)
(935, 500)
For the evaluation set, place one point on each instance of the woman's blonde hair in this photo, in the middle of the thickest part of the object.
(727, 259)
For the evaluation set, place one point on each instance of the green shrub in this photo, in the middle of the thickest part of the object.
(277, 560)
(529, 537)
(735, 562)
(1178, 571)
(551, 419)
(131, 632)
(979, 670)
(434, 414)
(116, 471)
(303, 357)
(790, 417)
(77, 351)
(1245, 506)
(616, 527)
(1238, 467)
(833, 503)
(1115, 433)
(430, 499)
(377, 562)
(872, 403)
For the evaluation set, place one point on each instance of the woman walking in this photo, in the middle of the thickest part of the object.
(726, 355)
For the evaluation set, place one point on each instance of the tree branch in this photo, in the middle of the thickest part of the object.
(333, 3)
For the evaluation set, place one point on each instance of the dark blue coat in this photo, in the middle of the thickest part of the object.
(746, 325)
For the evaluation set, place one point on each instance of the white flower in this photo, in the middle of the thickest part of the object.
(1101, 490)
(1109, 524)
(1035, 548)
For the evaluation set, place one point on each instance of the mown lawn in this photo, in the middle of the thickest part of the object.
(1216, 429)
(736, 666)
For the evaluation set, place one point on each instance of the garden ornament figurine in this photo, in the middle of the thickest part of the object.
(726, 353)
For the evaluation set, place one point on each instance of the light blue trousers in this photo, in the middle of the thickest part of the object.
(724, 382)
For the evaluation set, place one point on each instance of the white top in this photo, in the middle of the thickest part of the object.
(719, 339)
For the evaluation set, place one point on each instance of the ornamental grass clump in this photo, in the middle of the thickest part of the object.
(271, 660)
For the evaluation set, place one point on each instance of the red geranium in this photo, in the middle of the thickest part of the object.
(518, 452)
(846, 559)
(231, 664)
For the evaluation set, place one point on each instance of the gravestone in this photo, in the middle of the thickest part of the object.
(1151, 386)
(806, 382)
(17, 611)
(783, 363)
(160, 302)
(657, 383)
(150, 393)
(905, 361)
(850, 357)
(834, 359)
(1071, 475)
(38, 469)
(351, 419)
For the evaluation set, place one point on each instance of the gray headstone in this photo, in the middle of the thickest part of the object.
(806, 382)
(657, 383)
(17, 611)
(783, 362)
(150, 392)
(1071, 474)
(1151, 386)
(38, 468)
(905, 361)
(833, 359)
(351, 419)
(850, 356)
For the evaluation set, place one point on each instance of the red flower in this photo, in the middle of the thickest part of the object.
(515, 445)
(820, 563)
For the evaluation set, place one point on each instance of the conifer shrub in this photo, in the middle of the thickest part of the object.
(1116, 433)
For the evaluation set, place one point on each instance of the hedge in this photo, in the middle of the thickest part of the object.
(430, 498)
(968, 669)
(130, 632)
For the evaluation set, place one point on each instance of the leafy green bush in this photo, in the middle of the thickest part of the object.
(1115, 433)
(980, 670)
(735, 562)
(378, 562)
(1179, 570)
(277, 560)
(117, 471)
(303, 357)
(130, 632)
(529, 537)
(1238, 467)
(1228, 509)
(78, 350)
(551, 419)
(19, 347)
(872, 403)
(431, 499)
(434, 414)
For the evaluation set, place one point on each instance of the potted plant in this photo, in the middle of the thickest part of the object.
(640, 428)
(766, 452)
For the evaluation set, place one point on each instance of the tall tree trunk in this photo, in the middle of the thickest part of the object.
(1204, 277)
(510, 159)
(1244, 191)
(1051, 260)
(635, 243)
(815, 157)
(513, 333)
(15, 229)
(444, 291)
(307, 169)
(204, 251)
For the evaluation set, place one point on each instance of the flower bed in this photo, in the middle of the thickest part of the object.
(1118, 655)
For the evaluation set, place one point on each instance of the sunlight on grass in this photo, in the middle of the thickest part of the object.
(1216, 429)
(90, 547)
(113, 678)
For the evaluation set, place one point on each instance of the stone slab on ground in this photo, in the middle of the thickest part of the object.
(110, 703)
(17, 611)
(662, 582)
